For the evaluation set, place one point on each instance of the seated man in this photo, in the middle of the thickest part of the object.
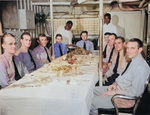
(26, 55)
(106, 35)
(109, 48)
(106, 38)
(84, 43)
(109, 52)
(41, 51)
(11, 68)
(119, 62)
(131, 82)
(59, 48)
(66, 33)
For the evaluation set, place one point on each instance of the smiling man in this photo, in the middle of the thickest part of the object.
(11, 68)
(131, 82)
(119, 62)
(108, 26)
(60, 49)
(26, 55)
(41, 51)
(109, 48)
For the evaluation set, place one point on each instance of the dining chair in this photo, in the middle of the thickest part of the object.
(116, 110)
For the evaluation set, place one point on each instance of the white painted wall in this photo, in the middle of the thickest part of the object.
(130, 24)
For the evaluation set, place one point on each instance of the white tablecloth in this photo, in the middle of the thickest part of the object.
(55, 98)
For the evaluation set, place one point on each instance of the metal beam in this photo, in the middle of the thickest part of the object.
(52, 24)
(100, 41)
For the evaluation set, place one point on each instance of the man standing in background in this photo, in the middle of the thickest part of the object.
(65, 32)
(108, 27)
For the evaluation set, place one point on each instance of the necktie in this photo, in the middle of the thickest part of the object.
(47, 55)
(32, 60)
(60, 50)
(126, 67)
(84, 46)
(17, 76)
(104, 53)
(117, 63)
(111, 53)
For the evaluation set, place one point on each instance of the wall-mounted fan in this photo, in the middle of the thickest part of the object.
(40, 18)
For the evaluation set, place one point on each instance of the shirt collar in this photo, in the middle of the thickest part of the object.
(107, 24)
(8, 56)
(41, 47)
(84, 41)
(58, 44)
(137, 57)
(122, 52)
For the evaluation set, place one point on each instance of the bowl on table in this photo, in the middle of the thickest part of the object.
(71, 61)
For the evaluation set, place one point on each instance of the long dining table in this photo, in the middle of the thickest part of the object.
(47, 92)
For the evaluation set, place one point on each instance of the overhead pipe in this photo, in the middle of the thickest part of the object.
(24, 4)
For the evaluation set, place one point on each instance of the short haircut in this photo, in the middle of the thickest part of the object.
(114, 35)
(107, 14)
(120, 37)
(58, 35)
(41, 35)
(140, 43)
(107, 33)
(6, 35)
(25, 33)
(69, 22)
(113, 3)
(84, 32)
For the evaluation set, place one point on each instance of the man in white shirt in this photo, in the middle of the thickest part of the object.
(108, 27)
(65, 32)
